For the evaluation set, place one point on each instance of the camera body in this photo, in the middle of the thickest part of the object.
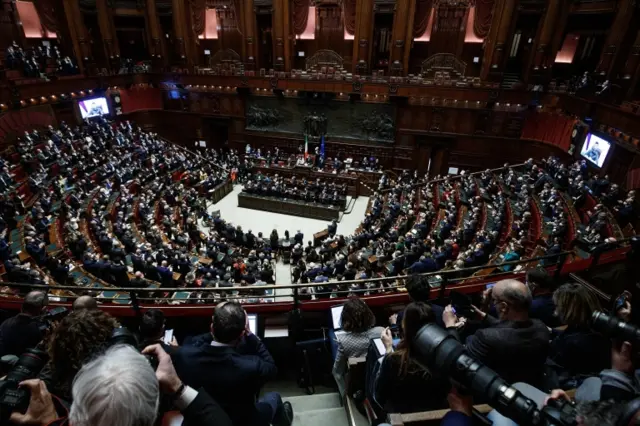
(12, 397)
(46, 320)
(124, 336)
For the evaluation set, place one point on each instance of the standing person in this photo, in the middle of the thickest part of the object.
(233, 368)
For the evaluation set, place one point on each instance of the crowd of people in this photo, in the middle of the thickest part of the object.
(97, 375)
(315, 158)
(320, 191)
(509, 332)
(36, 61)
(132, 209)
(534, 336)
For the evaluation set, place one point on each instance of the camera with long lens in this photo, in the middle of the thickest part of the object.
(436, 349)
(615, 328)
(124, 336)
(12, 396)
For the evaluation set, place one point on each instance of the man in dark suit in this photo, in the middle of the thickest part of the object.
(233, 368)
(332, 228)
(515, 346)
(152, 328)
(21, 332)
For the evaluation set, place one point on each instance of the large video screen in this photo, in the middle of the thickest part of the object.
(93, 107)
(595, 149)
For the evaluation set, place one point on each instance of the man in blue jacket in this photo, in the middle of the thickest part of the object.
(232, 368)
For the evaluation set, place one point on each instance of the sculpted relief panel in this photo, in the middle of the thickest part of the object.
(343, 120)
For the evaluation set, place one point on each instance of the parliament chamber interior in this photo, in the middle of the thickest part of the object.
(327, 212)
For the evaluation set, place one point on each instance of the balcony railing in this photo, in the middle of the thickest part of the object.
(384, 291)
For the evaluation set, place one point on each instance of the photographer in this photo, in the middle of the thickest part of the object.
(601, 413)
(120, 388)
(80, 336)
(515, 346)
(621, 382)
(23, 331)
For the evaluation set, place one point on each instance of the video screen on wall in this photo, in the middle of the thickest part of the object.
(595, 149)
(93, 107)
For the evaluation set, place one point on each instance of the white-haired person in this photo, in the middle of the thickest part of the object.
(121, 388)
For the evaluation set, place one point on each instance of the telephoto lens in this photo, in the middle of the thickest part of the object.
(28, 366)
(435, 349)
(614, 327)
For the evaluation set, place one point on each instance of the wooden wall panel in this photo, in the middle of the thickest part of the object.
(216, 104)
(459, 120)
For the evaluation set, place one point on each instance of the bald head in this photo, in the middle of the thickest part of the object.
(35, 302)
(85, 302)
(514, 294)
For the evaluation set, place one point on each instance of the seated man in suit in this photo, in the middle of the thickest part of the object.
(233, 368)
(515, 346)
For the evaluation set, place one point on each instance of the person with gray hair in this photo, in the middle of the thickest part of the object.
(121, 388)
(22, 331)
(85, 302)
(515, 346)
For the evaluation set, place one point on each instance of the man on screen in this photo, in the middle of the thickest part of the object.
(96, 110)
(594, 153)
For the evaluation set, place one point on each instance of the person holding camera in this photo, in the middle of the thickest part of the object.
(79, 337)
(622, 381)
(515, 346)
(595, 413)
(23, 331)
(121, 388)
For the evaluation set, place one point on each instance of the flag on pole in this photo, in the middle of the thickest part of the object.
(306, 147)
(322, 147)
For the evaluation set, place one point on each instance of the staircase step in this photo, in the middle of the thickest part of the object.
(331, 416)
(323, 401)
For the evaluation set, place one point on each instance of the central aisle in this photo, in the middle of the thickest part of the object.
(265, 222)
